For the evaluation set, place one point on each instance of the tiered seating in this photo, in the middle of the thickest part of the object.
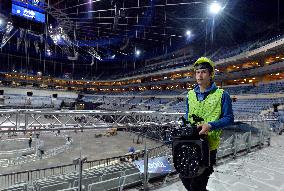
(179, 106)
(254, 106)
(100, 178)
(17, 187)
(163, 65)
(156, 101)
(135, 101)
(34, 101)
(110, 184)
(268, 88)
(49, 185)
(236, 90)
(273, 87)
(162, 92)
(281, 116)
(69, 189)
(233, 51)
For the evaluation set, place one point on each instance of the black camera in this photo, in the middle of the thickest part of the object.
(191, 154)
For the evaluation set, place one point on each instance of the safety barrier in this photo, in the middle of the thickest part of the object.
(239, 142)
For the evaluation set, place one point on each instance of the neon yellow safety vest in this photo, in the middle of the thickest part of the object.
(210, 110)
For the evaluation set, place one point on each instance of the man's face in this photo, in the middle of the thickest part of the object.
(202, 76)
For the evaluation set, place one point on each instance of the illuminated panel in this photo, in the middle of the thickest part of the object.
(34, 5)
(28, 13)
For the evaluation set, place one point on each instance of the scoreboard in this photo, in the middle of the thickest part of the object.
(29, 9)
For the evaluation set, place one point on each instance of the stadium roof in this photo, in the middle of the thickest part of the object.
(112, 31)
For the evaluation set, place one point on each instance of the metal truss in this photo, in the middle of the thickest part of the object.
(150, 123)
(42, 120)
(61, 17)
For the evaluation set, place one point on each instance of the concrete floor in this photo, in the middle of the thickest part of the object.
(262, 170)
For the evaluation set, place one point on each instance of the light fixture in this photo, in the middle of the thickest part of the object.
(48, 52)
(58, 37)
(137, 52)
(215, 8)
(188, 33)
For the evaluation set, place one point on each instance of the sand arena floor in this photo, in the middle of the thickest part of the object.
(84, 144)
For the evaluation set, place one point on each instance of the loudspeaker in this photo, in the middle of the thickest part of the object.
(191, 156)
(54, 95)
(1, 92)
(29, 93)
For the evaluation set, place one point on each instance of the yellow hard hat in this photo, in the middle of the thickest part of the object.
(205, 60)
(202, 60)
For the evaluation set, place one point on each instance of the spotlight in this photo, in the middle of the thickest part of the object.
(138, 52)
(58, 37)
(2, 27)
(215, 8)
(188, 33)
(3, 22)
(48, 52)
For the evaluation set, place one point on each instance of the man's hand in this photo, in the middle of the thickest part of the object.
(204, 129)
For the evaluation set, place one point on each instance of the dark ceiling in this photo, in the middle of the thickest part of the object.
(149, 24)
(155, 27)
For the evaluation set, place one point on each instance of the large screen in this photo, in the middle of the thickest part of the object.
(28, 13)
(30, 4)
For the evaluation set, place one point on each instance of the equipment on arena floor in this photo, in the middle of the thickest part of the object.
(111, 132)
(275, 107)
(29, 93)
(191, 153)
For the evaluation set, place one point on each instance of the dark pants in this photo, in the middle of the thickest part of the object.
(30, 143)
(199, 183)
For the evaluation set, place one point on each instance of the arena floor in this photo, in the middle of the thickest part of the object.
(84, 144)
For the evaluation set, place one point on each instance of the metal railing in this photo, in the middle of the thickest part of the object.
(229, 148)
(239, 142)
(36, 156)
(29, 176)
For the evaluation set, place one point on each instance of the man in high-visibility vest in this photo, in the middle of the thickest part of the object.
(212, 104)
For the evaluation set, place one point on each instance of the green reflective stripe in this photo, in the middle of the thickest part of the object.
(210, 110)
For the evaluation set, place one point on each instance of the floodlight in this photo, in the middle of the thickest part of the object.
(138, 52)
(215, 8)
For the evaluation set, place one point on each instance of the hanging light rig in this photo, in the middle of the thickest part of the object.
(190, 150)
